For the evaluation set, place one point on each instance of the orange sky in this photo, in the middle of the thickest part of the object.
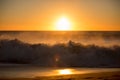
(43, 14)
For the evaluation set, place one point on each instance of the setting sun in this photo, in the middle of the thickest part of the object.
(63, 24)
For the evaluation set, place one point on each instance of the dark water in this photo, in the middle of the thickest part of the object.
(100, 38)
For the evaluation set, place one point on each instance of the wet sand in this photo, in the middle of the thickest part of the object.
(115, 75)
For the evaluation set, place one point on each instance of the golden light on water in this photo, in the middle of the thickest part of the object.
(63, 24)
(65, 71)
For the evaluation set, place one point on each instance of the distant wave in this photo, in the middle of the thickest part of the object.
(101, 38)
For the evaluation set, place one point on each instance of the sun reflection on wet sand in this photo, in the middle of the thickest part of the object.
(57, 72)
(65, 71)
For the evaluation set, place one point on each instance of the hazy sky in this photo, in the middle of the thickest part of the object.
(43, 14)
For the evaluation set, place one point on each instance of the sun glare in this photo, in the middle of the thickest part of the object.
(63, 24)
(65, 71)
